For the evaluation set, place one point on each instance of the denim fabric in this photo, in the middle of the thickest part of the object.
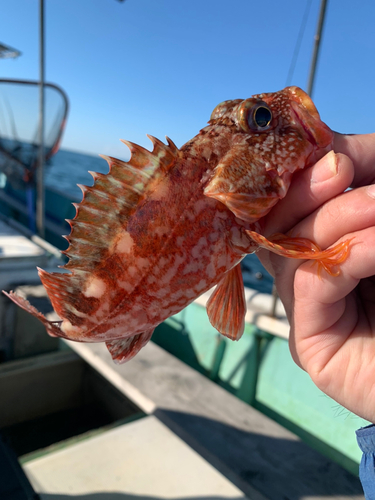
(366, 442)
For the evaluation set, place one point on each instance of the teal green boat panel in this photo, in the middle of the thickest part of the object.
(288, 390)
(280, 388)
(189, 336)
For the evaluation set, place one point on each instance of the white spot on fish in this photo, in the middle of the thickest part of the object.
(201, 285)
(191, 267)
(190, 216)
(210, 270)
(125, 243)
(197, 249)
(222, 260)
(168, 275)
(139, 186)
(213, 237)
(177, 295)
(161, 192)
(151, 279)
(70, 330)
(160, 293)
(132, 270)
(206, 153)
(161, 230)
(200, 205)
(96, 288)
(141, 262)
(125, 285)
(163, 261)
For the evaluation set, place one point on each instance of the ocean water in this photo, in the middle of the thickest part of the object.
(67, 169)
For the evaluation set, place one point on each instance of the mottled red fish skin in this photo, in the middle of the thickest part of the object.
(145, 246)
(182, 242)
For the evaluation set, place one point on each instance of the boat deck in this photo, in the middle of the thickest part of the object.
(257, 455)
(142, 459)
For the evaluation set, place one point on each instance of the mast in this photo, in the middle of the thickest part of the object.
(310, 87)
(40, 200)
(317, 38)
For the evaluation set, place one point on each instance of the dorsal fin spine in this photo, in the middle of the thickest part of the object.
(172, 145)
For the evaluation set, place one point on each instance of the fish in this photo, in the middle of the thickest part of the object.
(158, 231)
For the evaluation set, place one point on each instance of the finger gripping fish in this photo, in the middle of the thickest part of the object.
(158, 231)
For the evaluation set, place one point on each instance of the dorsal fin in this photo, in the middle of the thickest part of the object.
(107, 205)
(103, 214)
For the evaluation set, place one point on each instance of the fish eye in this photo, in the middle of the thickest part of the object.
(260, 117)
(254, 115)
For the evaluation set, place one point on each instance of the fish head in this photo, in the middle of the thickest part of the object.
(272, 135)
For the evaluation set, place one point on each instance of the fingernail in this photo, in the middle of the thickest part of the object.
(371, 190)
(326, 168)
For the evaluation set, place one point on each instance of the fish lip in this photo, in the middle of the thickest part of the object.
(316, 131)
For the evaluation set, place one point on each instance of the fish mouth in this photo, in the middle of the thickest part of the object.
(316, 131)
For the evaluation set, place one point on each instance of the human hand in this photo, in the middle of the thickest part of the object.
(332, 318)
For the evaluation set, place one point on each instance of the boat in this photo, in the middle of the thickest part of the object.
(74, 423)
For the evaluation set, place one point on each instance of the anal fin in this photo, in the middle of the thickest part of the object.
(52, 327)
(123, 350)
(226, 308)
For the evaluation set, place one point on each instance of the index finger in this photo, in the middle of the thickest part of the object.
(361, 150)
(309, 189)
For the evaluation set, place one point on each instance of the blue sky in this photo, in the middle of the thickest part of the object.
(161, 66)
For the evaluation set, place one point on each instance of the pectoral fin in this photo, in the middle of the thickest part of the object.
(123, 350)
(226, 308)
(246, 185)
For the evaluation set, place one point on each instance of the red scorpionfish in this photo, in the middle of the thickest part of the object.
(158, 231)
